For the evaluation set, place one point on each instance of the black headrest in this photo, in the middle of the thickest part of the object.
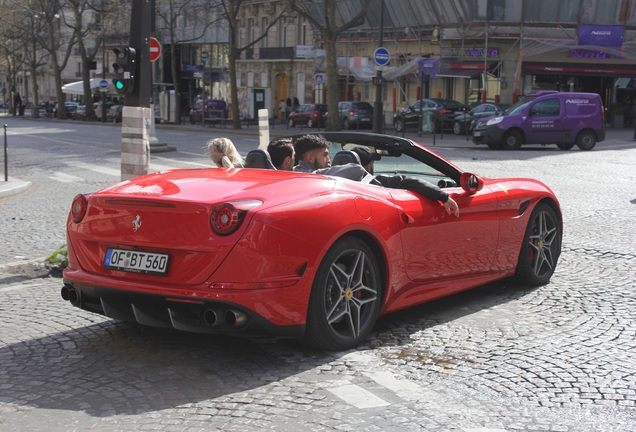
(258, 159)
(344, 157)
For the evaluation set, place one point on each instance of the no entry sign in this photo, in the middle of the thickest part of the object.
(155, 49)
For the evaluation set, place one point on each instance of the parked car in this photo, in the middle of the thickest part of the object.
(465, 122)
(546, 117)
(114, 113)
(70, 107)
(97, 106)
(310, 115)
(327, 256)
(355, 114)
(212, 108)
(79, 113)
(443, 112)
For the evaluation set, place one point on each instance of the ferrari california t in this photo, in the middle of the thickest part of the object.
(264, 253)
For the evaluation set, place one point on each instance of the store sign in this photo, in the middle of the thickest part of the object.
(469, 53)
(607, 36)
(429, 67)
(590, 54)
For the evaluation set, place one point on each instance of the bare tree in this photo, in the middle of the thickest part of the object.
(330, 30)
(170, 12)
(231, 9)
(53, 40)
(90, 22)
(12, 49)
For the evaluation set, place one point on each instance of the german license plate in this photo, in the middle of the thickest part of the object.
(136, 261)
(366, 119)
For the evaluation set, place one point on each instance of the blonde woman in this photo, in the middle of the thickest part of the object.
(224, 154)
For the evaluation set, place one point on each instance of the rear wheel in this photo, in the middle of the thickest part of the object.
(345, 297)
(512, 140)
(586, 140)
(541, 247)
(564, 146)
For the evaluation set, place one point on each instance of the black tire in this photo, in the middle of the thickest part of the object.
(399, 125)
(541, 247)
(564, 146)
(310, 123)
(345, 297)
(290, 123)
(457, 128)
(512, 140)
(346, 124)
(586, 140)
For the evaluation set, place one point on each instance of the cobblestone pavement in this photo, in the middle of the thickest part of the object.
(497, 358)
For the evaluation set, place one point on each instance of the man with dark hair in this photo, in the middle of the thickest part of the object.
(281, 150)
(312, 152)
(424, 188)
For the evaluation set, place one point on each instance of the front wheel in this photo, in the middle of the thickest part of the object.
(346, 124)
(512, 140)
(310, 123)
(541, 247)
(457, 128)
(399, 125)
(564, 146)
(586, 140)
(345, 297)
(291, 123)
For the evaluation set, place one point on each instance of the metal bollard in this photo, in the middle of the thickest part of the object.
(6, 162)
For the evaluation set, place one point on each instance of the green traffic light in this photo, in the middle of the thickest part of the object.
(119, 84)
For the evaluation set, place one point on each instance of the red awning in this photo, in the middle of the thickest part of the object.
(608, 70)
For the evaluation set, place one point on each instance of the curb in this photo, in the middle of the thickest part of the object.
(13, 187)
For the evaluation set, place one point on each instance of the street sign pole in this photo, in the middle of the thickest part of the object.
(378, 122)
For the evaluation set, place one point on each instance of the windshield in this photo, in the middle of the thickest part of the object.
(394, 163)
(519, 106)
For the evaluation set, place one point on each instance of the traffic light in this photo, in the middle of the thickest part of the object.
(125, 69)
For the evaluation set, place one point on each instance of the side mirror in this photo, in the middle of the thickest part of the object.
(471, 183)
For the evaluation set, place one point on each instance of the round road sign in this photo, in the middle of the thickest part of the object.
(155, 49)
(381, 56)
(204, 56)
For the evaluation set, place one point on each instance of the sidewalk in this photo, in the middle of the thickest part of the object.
(13, 186)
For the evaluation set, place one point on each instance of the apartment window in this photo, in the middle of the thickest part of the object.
(251, 30)
(302, 37)
(283, 35)
(264, 24)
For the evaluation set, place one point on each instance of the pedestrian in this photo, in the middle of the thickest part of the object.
(224, 154)
(288, 107)
(282, 109)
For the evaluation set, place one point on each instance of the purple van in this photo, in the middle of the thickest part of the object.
(214, 108)
(546, 117)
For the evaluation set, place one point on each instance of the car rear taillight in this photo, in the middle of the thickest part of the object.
(353, 112)
(227, 217)
(444, 111)
(78, 208)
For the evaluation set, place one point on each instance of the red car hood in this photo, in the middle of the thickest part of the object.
(172, 211)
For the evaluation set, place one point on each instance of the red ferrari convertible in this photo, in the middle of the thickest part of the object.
(259, 252)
